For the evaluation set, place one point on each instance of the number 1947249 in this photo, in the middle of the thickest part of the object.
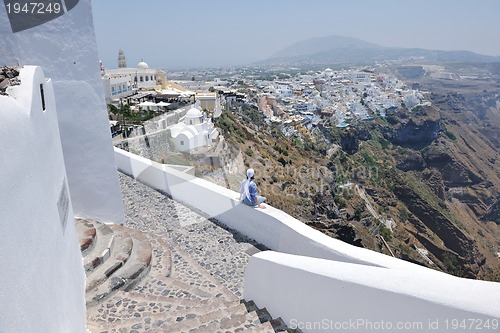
(34, 8)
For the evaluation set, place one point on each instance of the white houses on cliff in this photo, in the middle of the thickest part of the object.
(195, 131)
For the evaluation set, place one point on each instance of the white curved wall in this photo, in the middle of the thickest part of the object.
(42, 283)
(270, 227)
(66, 49)
(318, 295)
(343, 282)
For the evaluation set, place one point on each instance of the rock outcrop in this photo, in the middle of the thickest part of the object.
(8, 77)
(452, 237)
(414, 135)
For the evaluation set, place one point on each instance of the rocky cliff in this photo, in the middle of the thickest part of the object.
(422, 184)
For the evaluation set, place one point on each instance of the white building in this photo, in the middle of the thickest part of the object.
(43, 281)
(124, 82)
(194, 131)
(305, 107)
(284, 90)
(328, 72)
(359, 77)
(208, 100)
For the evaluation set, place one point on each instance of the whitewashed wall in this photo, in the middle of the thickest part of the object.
(42, 282)
(270, 227)
(66, 50)
(331, 280)
(318, 295)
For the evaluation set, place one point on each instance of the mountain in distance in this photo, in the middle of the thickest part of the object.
(347, 50)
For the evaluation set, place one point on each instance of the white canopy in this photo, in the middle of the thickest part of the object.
(170, 92)
(188, 93)
(162, 103)
(147, 103)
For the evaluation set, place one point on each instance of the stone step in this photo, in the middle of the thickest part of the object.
(162, 258)
(141, 258)
(101, 251)
(234, 323)
(125, 271)
(261, 328)
(179, 304)
(265, 317)
(120, 255)
(280, 326)
(180, 276)
(226, 319)
(189, 271)
(158, 285)
(131, 309)
(86, 233)
(150, 284)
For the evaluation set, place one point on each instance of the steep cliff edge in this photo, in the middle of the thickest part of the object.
(421, 184)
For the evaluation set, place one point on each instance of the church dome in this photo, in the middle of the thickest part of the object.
(142, 65)
(194, 113)
(328, 71)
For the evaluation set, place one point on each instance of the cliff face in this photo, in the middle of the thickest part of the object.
(461, 169)
(412, 134)
(431, 223)
(422, 184)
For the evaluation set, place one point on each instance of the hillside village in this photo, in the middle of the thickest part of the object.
(354, 137)
(122, 202)
(332, 98)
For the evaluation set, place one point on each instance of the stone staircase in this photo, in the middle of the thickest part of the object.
(141, 282)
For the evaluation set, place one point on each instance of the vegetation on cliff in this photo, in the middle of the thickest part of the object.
(399, 185)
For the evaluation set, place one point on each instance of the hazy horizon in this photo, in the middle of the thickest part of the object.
(197, 33)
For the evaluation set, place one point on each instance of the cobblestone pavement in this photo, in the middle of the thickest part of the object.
(195, 281)
(221, 252)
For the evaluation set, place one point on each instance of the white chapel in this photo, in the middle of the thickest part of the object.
(194, 131)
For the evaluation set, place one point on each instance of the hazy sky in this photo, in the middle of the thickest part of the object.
(188, 33)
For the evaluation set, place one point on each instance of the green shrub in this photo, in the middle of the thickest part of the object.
(450, 135)
(385, 232)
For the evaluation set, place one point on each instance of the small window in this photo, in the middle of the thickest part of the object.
(42, 94)
(182, 143)
(142, 79)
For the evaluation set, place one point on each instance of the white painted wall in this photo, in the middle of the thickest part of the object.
(270, 227)
(343, 282)
(42, 282)
(320, 295)
(66, 50)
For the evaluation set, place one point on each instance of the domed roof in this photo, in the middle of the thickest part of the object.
(142, 65)
(328, 71)
(194, 113)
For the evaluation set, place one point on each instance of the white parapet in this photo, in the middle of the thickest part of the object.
(317, 295)
(316, 278)
(42, 282)
(271, 227)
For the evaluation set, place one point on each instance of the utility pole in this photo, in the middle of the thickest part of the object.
(124, 119)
